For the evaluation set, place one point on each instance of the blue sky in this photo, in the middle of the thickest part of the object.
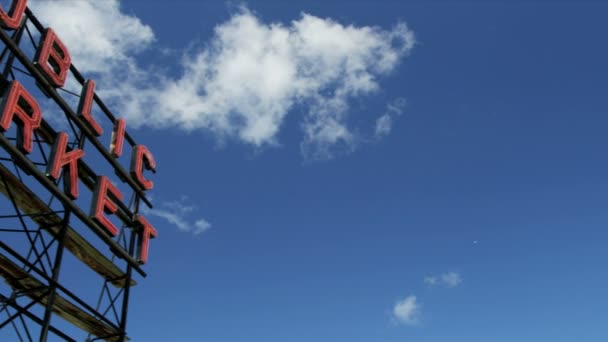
(431, 171)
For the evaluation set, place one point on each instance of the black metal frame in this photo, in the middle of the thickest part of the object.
(42, 258)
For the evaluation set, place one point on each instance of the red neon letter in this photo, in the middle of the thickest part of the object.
(140, 153)
(60, 158)
(146, 232)
(18, 105)
(85, 104)
(53, 58)
(15, 13)
(118, 137)
(103, 204)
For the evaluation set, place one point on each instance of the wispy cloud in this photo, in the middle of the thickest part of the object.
(384, 124)
(407, 311)
(242, 83)
(431, 280)
(449, 279)
(179, 214)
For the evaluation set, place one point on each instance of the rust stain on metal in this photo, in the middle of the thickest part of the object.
(22, 281)
(30, 204)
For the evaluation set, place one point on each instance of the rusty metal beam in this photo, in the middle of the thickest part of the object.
(18, 279)
(44, 216)
(23, 161)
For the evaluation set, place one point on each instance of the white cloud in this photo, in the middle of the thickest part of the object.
(407, 311)
(384, 124)
(98, 35)
(201, 226)
(243, 83)
(449, 279)
(177, 213)
(431, 280)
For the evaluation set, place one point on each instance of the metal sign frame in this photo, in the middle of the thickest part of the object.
(40, 225)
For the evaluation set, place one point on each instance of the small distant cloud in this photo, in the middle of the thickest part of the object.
(407, 311)
(449, 279)
(178, 213)
(384, 124)
(431, 280)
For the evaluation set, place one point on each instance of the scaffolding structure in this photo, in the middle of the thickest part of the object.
(51, 252)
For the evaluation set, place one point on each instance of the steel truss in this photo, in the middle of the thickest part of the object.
(36, 234)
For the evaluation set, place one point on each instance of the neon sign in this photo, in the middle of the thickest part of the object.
(18, 106)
